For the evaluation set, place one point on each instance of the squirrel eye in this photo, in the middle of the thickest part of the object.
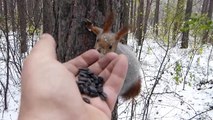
(110, 47)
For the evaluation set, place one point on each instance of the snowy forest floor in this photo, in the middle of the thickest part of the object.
(171, 99)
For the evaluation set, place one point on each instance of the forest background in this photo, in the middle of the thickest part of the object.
(159, 28)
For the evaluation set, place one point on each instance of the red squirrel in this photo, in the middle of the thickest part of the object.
(107, 41)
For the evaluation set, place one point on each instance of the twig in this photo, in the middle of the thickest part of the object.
(200, 114)
(159, 75)
(188, 68)
(208, 63)
(125, 108)
(132, 109)
(154, 86)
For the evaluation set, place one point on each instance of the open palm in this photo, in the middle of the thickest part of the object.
(49, 89)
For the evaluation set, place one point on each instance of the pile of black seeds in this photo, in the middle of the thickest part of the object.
(90, 84)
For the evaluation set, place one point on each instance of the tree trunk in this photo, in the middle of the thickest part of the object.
(178, 19)
(146, 18)
(145, 25)
(210, 16)
(12, 4)
(1, 8)
(140, 21)
(6, 88)
(131, 13)
(30, 9)
(21, 4)
(34, 10)
(210, 9)
(124, 16)
(156, 19)
(207, 11)
(134, 15)
(70, 33)
(30, 6)
(188, 12)
(167, 17)
(205, 6)
(37, 13)
(48, 16)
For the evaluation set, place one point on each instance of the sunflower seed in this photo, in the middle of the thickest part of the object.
(90, 84)
(86, 100)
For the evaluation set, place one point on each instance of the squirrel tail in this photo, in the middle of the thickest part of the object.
(133, 91)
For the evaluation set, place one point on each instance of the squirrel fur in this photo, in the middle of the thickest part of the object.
(107, 41)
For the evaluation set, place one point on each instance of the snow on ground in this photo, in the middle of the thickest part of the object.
(169, 101)
(13, 102)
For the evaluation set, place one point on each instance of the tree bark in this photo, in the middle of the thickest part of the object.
(29, 8)
(48, 16)
(140, 21)
(166, 19)
(210, 10)
(145, 25)
(12, 4)
(131, 13)
(37, 13)
(146, 17)
(188, 12)
(21, 4)
(156, 19)
(1, 9)
(210, 16)
(70, 33)
(178, 20)
(205, 6)
(124, 11)
(207, 11)
(6, 31)
(134, 15)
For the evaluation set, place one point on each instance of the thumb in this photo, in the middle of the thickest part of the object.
(45, 47)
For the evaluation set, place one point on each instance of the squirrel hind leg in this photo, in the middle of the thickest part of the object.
(133, 91)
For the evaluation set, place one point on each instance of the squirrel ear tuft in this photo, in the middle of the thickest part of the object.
(121, 33)
(108, 23)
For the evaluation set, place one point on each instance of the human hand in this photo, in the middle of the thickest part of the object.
(49, 89)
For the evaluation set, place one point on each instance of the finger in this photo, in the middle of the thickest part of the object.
(101, 64)
(99, 104)
(82, 61)
(114, 74)
(44, 48)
